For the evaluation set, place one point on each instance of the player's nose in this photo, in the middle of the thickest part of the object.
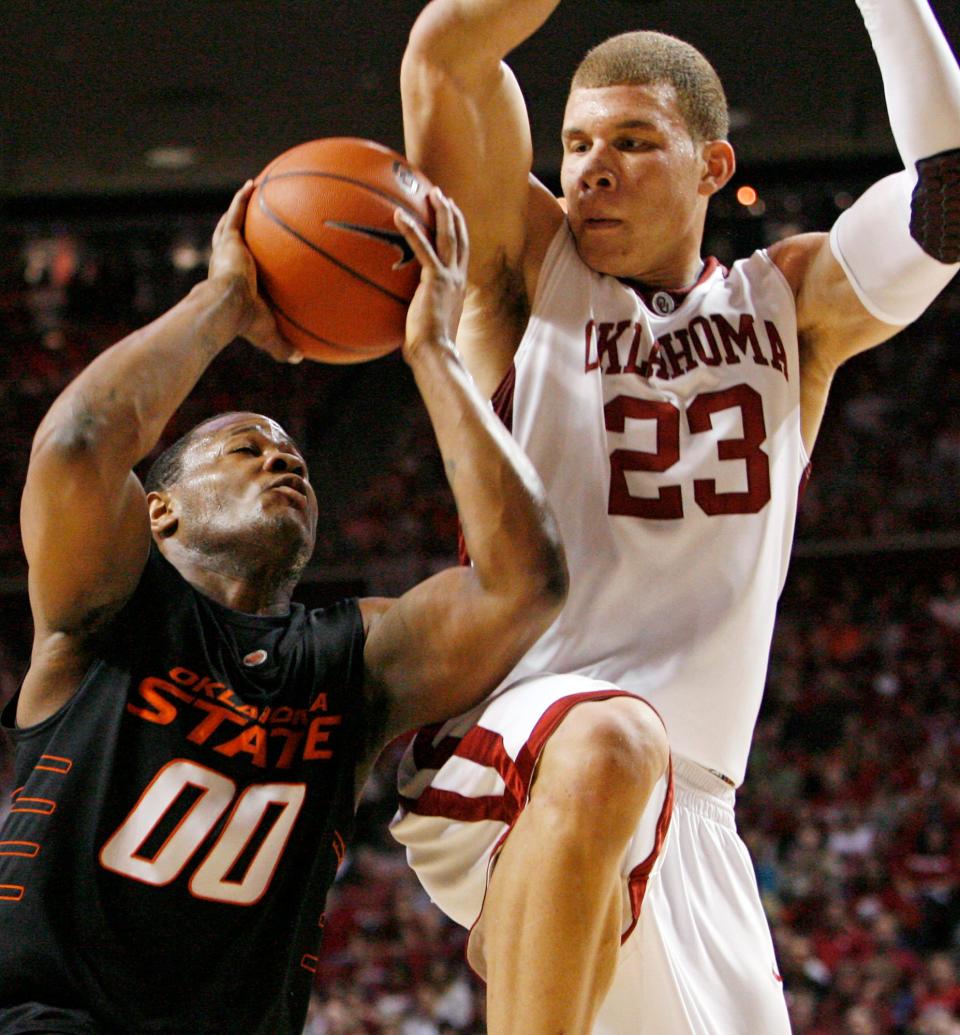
(598, 172)
(280, 461)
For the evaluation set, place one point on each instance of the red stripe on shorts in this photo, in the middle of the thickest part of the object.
(640, 874)
(486, 748)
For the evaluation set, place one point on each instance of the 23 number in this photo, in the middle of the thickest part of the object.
(668, 503)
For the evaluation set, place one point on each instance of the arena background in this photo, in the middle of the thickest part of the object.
(125, 127)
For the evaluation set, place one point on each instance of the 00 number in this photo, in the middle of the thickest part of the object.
(126, 850)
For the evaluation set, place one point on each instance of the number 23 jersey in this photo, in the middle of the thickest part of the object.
(666, 428)
(176, 825)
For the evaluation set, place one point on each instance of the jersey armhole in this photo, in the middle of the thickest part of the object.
(768, 259)
(552, 262)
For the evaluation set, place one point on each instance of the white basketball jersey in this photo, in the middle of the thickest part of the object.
(666, 429)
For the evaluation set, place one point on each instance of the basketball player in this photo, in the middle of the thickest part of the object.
(671, 406)
(190, 743)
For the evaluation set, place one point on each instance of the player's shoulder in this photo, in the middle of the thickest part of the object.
(545, 214)
(794, 256)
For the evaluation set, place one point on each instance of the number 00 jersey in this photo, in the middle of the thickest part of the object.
(176, 825)
(667, 430)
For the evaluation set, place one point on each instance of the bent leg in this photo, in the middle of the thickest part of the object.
(552, 919)
(701, 960)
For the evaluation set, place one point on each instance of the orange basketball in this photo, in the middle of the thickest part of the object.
(332, 265)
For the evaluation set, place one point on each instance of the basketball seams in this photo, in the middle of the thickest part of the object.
(274, 218)
(409, 209)
(339, 346)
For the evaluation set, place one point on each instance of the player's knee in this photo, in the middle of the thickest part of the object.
(602, 763)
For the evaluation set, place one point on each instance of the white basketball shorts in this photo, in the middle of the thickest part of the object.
(701, 959)
(697, 958)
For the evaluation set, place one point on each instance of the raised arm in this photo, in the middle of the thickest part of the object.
(466, 126)
(446, 643)
(83, 514)
(892, 252)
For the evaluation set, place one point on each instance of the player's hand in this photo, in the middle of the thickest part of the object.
(434, 311)
(230, 259)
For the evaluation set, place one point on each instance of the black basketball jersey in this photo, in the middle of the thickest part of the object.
(176, 826)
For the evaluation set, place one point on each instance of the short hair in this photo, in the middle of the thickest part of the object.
(649, 58)
(167, 469)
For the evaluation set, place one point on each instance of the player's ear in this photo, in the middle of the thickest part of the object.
(163, 514)
(719, 165)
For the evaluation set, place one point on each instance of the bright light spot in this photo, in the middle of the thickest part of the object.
(746, 196)
(185, 256)
(170, 157)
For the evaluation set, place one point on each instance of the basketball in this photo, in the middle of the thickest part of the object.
(331, 264)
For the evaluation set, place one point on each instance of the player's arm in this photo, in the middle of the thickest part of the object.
(892, 252)
(446, 643)
(466, 126)
(83, 513)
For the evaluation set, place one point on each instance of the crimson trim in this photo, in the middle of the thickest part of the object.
(804, 481)
(428, 756)
(502, 398)
(640, 874)
(647, 291)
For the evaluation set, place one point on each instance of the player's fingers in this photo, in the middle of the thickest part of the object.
(218, 229)
(233, 218)
(463, 237)
(264, 334)
(416, 238)
(446, 240)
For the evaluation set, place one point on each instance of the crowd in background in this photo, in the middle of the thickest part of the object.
(851, 807)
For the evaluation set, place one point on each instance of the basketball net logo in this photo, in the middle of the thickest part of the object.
(391, 237)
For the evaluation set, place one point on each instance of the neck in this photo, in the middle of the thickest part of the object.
(264, 589)
(677, 276)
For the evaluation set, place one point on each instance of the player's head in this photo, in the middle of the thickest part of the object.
(644, 148)
(652, 58)
(235, 487)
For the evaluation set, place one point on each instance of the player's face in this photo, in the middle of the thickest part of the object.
(246, 482)
(631, 178)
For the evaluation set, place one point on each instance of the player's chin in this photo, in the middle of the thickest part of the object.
(603, 251)
(289, 527)
(602, 258)
(294, 545)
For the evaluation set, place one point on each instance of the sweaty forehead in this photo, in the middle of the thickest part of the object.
(623, 105)
(210, 434)
(233, 423)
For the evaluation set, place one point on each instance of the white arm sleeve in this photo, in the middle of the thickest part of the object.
(894, 278)
(892, 275)
(921, 81)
